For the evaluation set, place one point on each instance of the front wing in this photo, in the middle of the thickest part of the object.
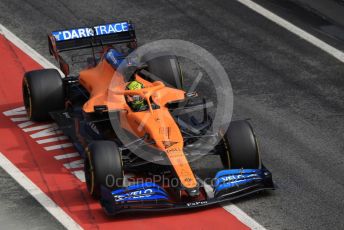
(228, 185)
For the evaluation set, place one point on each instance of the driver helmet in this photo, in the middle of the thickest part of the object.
(137, 102)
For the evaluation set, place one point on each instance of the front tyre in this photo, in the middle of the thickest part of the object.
(103, 167)
(240, 147)
(43, 92)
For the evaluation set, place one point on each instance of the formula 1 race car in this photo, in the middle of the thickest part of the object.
(101, 105)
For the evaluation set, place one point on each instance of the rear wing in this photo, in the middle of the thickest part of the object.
(89, 37)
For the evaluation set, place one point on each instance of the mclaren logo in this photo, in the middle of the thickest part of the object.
(188, 179)
(173, 150)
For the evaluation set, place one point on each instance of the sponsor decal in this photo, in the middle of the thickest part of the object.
(135, 195)
(196, 203)
(147, 191)
(89, 32)
(235, 178)
(114, 58)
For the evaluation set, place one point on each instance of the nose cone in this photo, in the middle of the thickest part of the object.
(162, 128)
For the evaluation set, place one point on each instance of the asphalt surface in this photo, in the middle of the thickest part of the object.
(292, 91)
(332, 9)
(322, 18)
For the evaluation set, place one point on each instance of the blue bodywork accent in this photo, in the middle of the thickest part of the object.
(234, 178)
(229, 185)
(85, 32)
(140, 192)
(114, 58)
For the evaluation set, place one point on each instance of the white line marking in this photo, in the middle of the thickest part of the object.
(18, 119)
(39, 127)
(17, 111)
(53, 139)
(80, 175)
(60, 146)
(294, 29)
(38, 194)
(25, 124)
(74, 164)
(234, 210)
(243, 217)
(53, 130)
(66, 156)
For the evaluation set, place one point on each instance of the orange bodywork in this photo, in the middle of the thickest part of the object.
(107, 87)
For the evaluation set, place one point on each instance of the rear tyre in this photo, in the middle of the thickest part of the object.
(167, 68)
(43, 92)
(240, 147)
(103, 167)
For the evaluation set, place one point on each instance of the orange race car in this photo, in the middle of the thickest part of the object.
(127, 126)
